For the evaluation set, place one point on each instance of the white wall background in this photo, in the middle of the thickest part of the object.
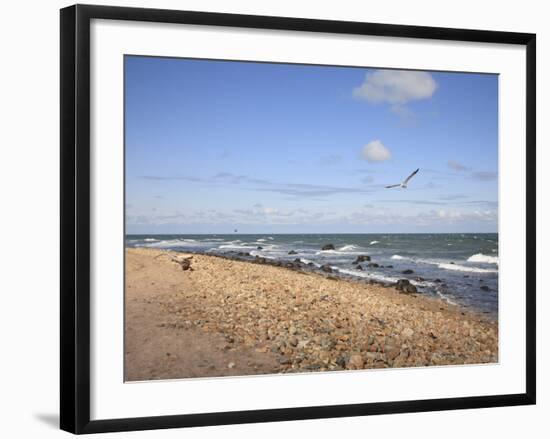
(29, 206)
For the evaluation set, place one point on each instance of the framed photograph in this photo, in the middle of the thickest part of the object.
(274, 218)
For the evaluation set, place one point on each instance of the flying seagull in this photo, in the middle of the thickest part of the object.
(404, 183)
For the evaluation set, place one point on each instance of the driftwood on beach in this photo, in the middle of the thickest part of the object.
(183, 261)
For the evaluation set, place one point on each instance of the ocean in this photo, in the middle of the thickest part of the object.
(461, 268)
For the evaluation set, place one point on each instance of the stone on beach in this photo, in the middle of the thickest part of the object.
(356, 361)
(405, 286)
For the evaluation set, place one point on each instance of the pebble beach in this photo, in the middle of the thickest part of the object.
(195, 315)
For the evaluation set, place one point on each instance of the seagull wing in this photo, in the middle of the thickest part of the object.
(411, 176)
(393, 185)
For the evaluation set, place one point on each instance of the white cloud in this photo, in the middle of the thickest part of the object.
(375, 151)
(396, 87)
(456, 166)
(419, 218)
(485, 176)
(369, 214)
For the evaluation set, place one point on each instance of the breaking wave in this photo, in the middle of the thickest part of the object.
(347, 248)
(457, 267)
(486, 259)
(445, 298)
(374, 276)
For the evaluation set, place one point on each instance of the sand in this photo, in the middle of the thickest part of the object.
(223, 317)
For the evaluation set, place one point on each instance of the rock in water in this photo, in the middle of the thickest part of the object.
(326, 268)
(405, 286)
(358, 267)
(401, 283)
(373, 265)
(328, 247)
(484, 288)
(407, 271)
(292, 252)
(362, 258)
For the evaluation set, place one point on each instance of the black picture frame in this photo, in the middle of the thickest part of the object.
(75, 217)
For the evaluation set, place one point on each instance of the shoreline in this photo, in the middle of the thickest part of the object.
(223, 316)
(336, 273)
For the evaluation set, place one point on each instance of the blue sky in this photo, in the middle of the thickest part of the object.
(274, 148)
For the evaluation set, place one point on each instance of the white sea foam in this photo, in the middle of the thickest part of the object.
(327, 252)
(480, 257)
(374, 242)
(165, 244)
(446, 298)
(263, 255)
(262, 240)
(308, 261)
(457, 267)
(347, 248)
(397, 257)
(151, 240)
(368, 275)
(236, 247)
(343, 251)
